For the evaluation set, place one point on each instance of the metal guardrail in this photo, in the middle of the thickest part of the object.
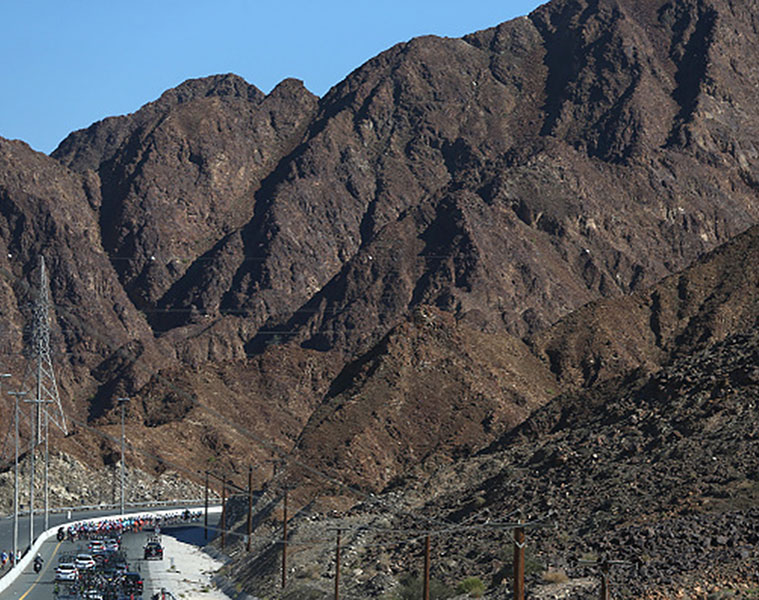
(9, 576)
(112, 506)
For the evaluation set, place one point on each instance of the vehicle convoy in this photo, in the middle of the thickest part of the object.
(84, 561)
(132, 583)
(66, 571)
(94, 566)
(153, 549)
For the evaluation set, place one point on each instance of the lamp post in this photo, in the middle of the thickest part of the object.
(47, 463)
(122, 403)
(15, 470)
(32, 448)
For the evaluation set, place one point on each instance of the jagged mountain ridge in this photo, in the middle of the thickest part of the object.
(656, 470)
(507, 177)
(467, 126)
(652, 460)
(712, 299)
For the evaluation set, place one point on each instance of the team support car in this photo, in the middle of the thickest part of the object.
(112, 544)
(66, 571)
(153, 550)
(132, 583)
(84, 561)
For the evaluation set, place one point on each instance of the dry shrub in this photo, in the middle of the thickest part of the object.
(558, 576)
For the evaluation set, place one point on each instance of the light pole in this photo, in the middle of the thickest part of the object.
(15, 471)
(47, 462)
(31, 478)
(122, 403)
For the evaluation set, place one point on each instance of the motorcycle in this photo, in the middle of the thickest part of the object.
(37, 565)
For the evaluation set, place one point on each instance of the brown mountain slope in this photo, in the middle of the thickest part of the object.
(432, 390)
(659, 469)
(508, 178)
(604, 205)
(587, 150)
(710, 300)
(49, 211)
(183, 177)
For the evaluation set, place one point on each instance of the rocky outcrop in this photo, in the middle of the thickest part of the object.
(430, 391)
(507, 178)
(712, 299)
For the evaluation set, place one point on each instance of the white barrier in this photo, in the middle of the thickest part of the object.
(18, 568)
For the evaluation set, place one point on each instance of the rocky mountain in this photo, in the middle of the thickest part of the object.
(371, 279)
(651, 462)
(657, 470)
(714, 298)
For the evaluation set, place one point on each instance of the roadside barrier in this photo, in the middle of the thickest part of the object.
(26, 560)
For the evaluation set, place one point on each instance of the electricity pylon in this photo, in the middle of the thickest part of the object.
(40, 363)
(40, 367)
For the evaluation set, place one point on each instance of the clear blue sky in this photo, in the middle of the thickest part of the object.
(68, 63)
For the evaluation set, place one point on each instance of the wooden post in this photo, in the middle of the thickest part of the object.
(250, 507)
(284, 544)
(337, 567)
(605, 591)
(205, 517)
(519, 563)
(223, 509)
(426, 591)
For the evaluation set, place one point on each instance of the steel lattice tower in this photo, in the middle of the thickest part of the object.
(47, 389)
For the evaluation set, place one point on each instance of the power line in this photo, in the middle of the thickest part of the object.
(231, 424)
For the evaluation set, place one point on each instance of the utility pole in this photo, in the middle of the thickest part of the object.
(426, 590)
(205, 515)
(605, 565)
(518, 566)
(31, 481)
(46, 387)
(250, 508)
(223, 508)
(337, 567)
(122, 402)
(34, 442)
(224, 483)
(47, 461)
(15, 472)
(605, 590)
(284, 544)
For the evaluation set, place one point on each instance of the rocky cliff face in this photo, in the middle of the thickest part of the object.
(506, 178)
(647, 457)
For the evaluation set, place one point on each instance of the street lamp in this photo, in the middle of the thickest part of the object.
(122, 402)
(15, 471)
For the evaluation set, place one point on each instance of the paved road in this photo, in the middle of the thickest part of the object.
(33, 586)
(55, 519)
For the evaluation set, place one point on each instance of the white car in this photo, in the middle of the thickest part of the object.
(96, 545)
(66, 572)
(112, 544)
(84, 561)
